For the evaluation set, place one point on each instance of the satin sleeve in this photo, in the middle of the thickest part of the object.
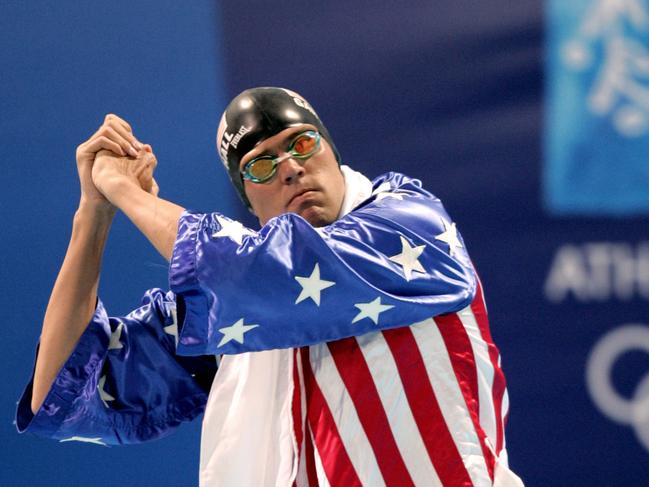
(123, 382)
(395, 260)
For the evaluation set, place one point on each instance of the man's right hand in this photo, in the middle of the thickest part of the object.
(114, 135)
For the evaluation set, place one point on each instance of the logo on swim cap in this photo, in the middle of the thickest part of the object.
(301, 102)
(231, 140)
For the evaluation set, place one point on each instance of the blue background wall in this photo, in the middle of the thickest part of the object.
(465, 96)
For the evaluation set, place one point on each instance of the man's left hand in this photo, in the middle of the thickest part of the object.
(112, 173)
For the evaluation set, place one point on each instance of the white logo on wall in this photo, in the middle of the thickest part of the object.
(633, 411)
(598, 272)
(619, 29)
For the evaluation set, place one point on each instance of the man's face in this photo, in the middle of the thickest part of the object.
(313, 188)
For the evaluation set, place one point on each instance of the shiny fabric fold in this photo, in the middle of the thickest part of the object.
(122, 383)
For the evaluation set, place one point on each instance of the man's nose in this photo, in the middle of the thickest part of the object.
(290, 169)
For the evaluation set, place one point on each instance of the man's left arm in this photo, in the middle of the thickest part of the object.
(118, 180)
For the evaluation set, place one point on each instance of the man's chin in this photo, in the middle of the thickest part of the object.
(317, 216)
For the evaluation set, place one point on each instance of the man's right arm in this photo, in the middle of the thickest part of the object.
(73, 298)
(74, 295)
(105, 379)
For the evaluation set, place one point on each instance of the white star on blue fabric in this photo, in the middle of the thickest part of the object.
(115, 343)
(408, 258)
(450, 237)
(312, 286)
(173, 328)
(232, 229)
(103, 395)
(371, 310)
(83, 439)
(384, 190)
(235, 332)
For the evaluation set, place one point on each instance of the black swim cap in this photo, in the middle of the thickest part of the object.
(255, 115)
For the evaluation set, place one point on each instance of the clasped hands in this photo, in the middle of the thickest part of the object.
(113, 162)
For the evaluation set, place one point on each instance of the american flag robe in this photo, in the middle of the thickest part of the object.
(354, 354)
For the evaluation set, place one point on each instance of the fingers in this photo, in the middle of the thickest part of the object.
(98, 142)
(142, 169)
(148, 163)
(149, 156)
(116, 135)
(112, 118)
(124, 130)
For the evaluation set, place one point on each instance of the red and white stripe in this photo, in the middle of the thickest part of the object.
(418, 405)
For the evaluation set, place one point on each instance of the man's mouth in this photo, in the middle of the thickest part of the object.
(300, 194)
